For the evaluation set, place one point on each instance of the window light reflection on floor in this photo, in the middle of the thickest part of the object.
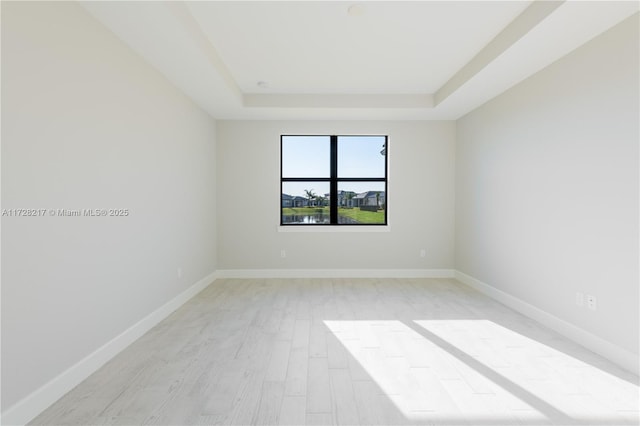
(479, 372)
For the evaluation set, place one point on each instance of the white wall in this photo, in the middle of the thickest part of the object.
(421, 209)
(547, 188)
(87, 124)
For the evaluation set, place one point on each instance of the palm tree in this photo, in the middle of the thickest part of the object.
(310, 195)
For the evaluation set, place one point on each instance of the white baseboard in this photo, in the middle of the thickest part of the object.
(31, 406)
(614, 353)
(335, 273)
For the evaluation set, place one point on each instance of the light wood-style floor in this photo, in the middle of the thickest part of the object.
(348, 352)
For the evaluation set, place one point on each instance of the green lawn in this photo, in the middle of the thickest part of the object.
(363, 216)
(355, 213)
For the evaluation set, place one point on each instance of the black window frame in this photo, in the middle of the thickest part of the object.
(333, 180)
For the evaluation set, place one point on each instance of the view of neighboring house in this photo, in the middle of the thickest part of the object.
(369, 198)
(345, 199)
(294, 201)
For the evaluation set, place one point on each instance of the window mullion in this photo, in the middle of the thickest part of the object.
(333, 184)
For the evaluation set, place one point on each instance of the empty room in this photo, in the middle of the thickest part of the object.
(320, 212)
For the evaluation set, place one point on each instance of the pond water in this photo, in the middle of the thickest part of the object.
(314, 219)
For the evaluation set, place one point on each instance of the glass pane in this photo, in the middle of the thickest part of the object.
(361, 156)
(306, 156)
(305, 202)
(361, 203)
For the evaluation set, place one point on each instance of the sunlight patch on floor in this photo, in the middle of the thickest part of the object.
(476, 370)
(577, 388)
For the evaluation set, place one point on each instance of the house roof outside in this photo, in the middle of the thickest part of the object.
(368, 194)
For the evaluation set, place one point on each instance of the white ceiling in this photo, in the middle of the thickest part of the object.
(318, 47)
(352, 60)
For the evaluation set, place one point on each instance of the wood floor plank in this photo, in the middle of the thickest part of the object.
(293, 410)
(367, 395)
(318, 340)
(344, 409)
(301, 330)
(297, 372)
(318, 419)
(270, 404)
(221, 396)
(336, 352)
(248, 397)
(279, 362)
(318, 387)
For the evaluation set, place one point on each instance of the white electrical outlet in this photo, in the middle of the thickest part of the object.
(283, 253)
(579, 299)
(591, 302)
(423, 252)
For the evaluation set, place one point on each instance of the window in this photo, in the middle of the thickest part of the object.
(333, 180)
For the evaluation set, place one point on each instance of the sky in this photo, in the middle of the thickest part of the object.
(308, 156)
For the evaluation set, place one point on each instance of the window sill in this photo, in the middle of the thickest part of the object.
(331, 229)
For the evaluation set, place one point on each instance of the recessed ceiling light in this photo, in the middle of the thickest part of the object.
(355, 10)
(263, 84)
